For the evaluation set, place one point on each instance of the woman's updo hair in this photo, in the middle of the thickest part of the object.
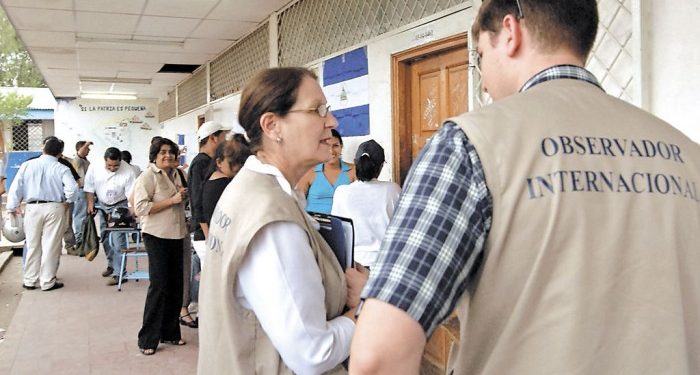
(369, 160)
(272, 90)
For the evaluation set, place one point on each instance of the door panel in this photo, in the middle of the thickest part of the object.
(438, 84)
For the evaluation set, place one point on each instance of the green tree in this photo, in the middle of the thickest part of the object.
(13, 106)
(16, 66)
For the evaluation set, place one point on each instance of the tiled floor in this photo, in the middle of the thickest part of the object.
(87, 328)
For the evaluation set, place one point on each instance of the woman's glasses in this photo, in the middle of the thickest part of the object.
(322, 110)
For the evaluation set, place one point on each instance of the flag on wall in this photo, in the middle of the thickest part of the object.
(346, 85)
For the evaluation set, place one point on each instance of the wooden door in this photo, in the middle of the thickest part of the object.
(430, 85)
(438, 91)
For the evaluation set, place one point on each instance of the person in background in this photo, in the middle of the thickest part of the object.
(319, 184)
(228, 160)
(81, 164)
(2, 175)
(187, 251)
(508, 215)
(110, 184)
(45, 185)
(159, 197)
(2, 179)
(209, 136)
(368, 202)
(69, 238)
(126, 157)
(271, 284)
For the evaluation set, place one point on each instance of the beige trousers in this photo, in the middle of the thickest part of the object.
(44, 224)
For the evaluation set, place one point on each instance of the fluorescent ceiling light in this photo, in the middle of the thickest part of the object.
(109, 96)
(137, 81)
(168, 43)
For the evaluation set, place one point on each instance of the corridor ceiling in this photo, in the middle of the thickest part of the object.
(118, 46)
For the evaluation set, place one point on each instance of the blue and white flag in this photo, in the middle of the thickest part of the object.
(346, 85)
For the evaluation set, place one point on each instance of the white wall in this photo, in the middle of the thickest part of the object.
(674, 63)
(224, 111)
(124, 124)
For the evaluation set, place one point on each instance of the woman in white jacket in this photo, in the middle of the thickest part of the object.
(368, 202)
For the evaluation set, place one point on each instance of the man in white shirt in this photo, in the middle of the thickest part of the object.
(111, 184)
(45, 185)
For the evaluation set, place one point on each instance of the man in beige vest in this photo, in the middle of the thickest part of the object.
(561, 223)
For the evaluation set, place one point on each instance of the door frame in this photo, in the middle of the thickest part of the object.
(401, 98)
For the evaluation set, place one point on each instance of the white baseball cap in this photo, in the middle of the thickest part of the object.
(209, 128)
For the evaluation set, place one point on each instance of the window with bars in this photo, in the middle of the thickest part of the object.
(311, 29)
(231, 70)
(27, 136)
(192, 93)
(610, 60)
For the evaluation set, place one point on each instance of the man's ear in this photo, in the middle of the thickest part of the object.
(268, 124)
(513, 34)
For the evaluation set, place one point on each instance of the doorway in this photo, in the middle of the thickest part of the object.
(430, 84)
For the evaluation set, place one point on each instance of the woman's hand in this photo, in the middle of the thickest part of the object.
(179, 196)
(356, 279)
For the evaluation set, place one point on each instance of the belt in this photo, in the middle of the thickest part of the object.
(37, 202)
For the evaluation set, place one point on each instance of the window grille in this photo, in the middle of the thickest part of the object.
(166, 108)
(232, 69)
(192, 92)
(311, 29)
(27, 136)
(610, 59)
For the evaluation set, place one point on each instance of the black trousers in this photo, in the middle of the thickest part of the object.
(164, 298)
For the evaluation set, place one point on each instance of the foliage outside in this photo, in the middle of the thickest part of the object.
(16, 66)
(13, 107)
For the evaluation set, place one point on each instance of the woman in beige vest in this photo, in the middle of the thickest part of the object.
(273, 295)
(158, 201)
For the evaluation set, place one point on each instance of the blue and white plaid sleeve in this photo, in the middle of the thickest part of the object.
(435, 241)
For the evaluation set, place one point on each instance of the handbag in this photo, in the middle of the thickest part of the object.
(89, 244)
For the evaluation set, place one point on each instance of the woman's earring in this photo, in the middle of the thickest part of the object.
(279, 139)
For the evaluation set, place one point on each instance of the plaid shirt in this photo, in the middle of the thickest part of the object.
(434, 245)
(436, 236)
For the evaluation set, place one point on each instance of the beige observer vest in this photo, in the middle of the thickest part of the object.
(231, 338)
(592, 264)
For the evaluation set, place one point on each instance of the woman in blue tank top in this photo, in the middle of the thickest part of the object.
(319, 184)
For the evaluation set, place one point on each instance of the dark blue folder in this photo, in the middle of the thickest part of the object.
(339, 233)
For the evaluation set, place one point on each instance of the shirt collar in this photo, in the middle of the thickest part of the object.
(561, 72)
(254, 164)
(155, 169)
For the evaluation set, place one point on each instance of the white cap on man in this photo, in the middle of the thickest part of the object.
(209, 128)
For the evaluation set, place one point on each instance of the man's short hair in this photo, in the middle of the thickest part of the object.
(113, 153)
(53, 146)
(47, 138)
(79, 145)
(554, 24)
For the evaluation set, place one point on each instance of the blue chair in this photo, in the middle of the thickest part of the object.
(135, 249)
